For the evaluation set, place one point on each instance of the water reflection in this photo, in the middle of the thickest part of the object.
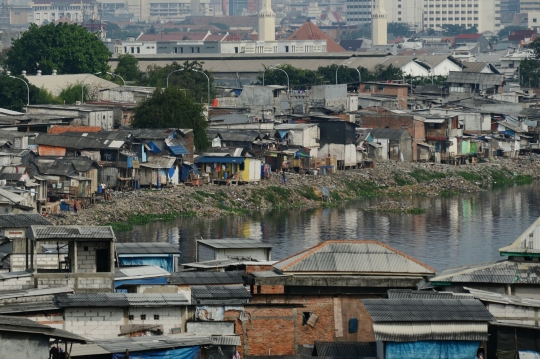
(454, 231)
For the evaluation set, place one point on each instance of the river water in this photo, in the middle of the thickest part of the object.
(455, 231)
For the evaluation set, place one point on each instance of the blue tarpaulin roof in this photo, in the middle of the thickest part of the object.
(220, 159)
(282, 133)
(178, 150)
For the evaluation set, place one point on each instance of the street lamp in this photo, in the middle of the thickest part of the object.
(266, 68)
(277, 68)
(27, 88)
(347, 65)
(82, 86)
(208, 78)
(171, 74)
(115, 75)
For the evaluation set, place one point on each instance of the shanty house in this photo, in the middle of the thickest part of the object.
(397, 144)
(447, 328)
(23, 338)
(517, 275)
(13, 232)
(122, 313)
(139, 279)
(163, 255)
(89, 115)
(162, 142)
(338, 138)
(89, 264)
(463, 82)
(328, 281)
(226, 169)
(212, 249)
(159, 171)
(305, 135)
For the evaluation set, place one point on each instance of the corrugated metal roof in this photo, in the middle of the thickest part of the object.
(353, 256)
(138, 344)
(120, 300)
(527, 242)
(424, 294)
(417, 331)
(493, 297)
(345, 349)
(205, 278)
(234, 243)
(18, 324)
(228, 262)
(147, 248)
(427, 310)
(14, 275)
(159, 162)
(502, 272)
(232, 340)
(140, 272)
(70, 232)
(76, 142)
(35, 292)
(22, 220)
(219, 291)
(388, 133)
(475, 78)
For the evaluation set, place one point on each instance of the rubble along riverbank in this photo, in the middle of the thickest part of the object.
(393, 179)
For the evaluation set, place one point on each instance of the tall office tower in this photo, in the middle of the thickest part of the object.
(379, 24)
(484, 14)
(267, 22)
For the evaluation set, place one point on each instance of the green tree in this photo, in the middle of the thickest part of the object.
(387, 73)
(187, 78)
(128, 67)
(431, 32)
(69, 49)
(454, 30)
(529, 73)
(14, 94)
(535, 46)
(399, 29)
(345, 74)
(299, 79)
(173, 108)
(72, 93)
(509, 30)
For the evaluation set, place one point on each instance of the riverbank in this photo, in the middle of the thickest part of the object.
(126, 209)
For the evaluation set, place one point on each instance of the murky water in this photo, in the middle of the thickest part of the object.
(455, 231)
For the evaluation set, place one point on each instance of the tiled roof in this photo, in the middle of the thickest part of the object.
(427, 310)
(353, 256)
(147, 248)
(310, 31)
(205, 278)
(22, 220)
(475, 78)
(71, 232)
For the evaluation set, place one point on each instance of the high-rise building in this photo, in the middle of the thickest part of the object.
(379, 24)
(267, 22)
(484, 14)
(529, 5)
(408, 11)
(359, 11)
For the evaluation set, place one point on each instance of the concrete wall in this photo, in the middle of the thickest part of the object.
(23, 345)
(105, 322)
(346, 153)
(86, 255)
(80, 282)
(41, 260)
(16, 284)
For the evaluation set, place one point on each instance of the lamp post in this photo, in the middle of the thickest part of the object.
(286, 74)
(337, 68)
(27, 88)
(171, 74)
(82, 86)
(347, 65)
(115, 75)
(208, 78)
(266, 68)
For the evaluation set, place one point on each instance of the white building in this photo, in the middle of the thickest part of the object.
(273, 47)
(484, 14)
(379, 24)
(267, 22)
(359, 11)
(534, 20)
(163, 10)
(45, 12)
(408, 11)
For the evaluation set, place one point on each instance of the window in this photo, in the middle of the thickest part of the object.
(131, 317)
(143, 316)
(86, 248)
(305, 317)
(156, 316)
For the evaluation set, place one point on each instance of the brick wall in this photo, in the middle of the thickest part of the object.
(189, 138)
(16, 284)
(55, 320)
(400, 92)
(258, 268)
(41, 261)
